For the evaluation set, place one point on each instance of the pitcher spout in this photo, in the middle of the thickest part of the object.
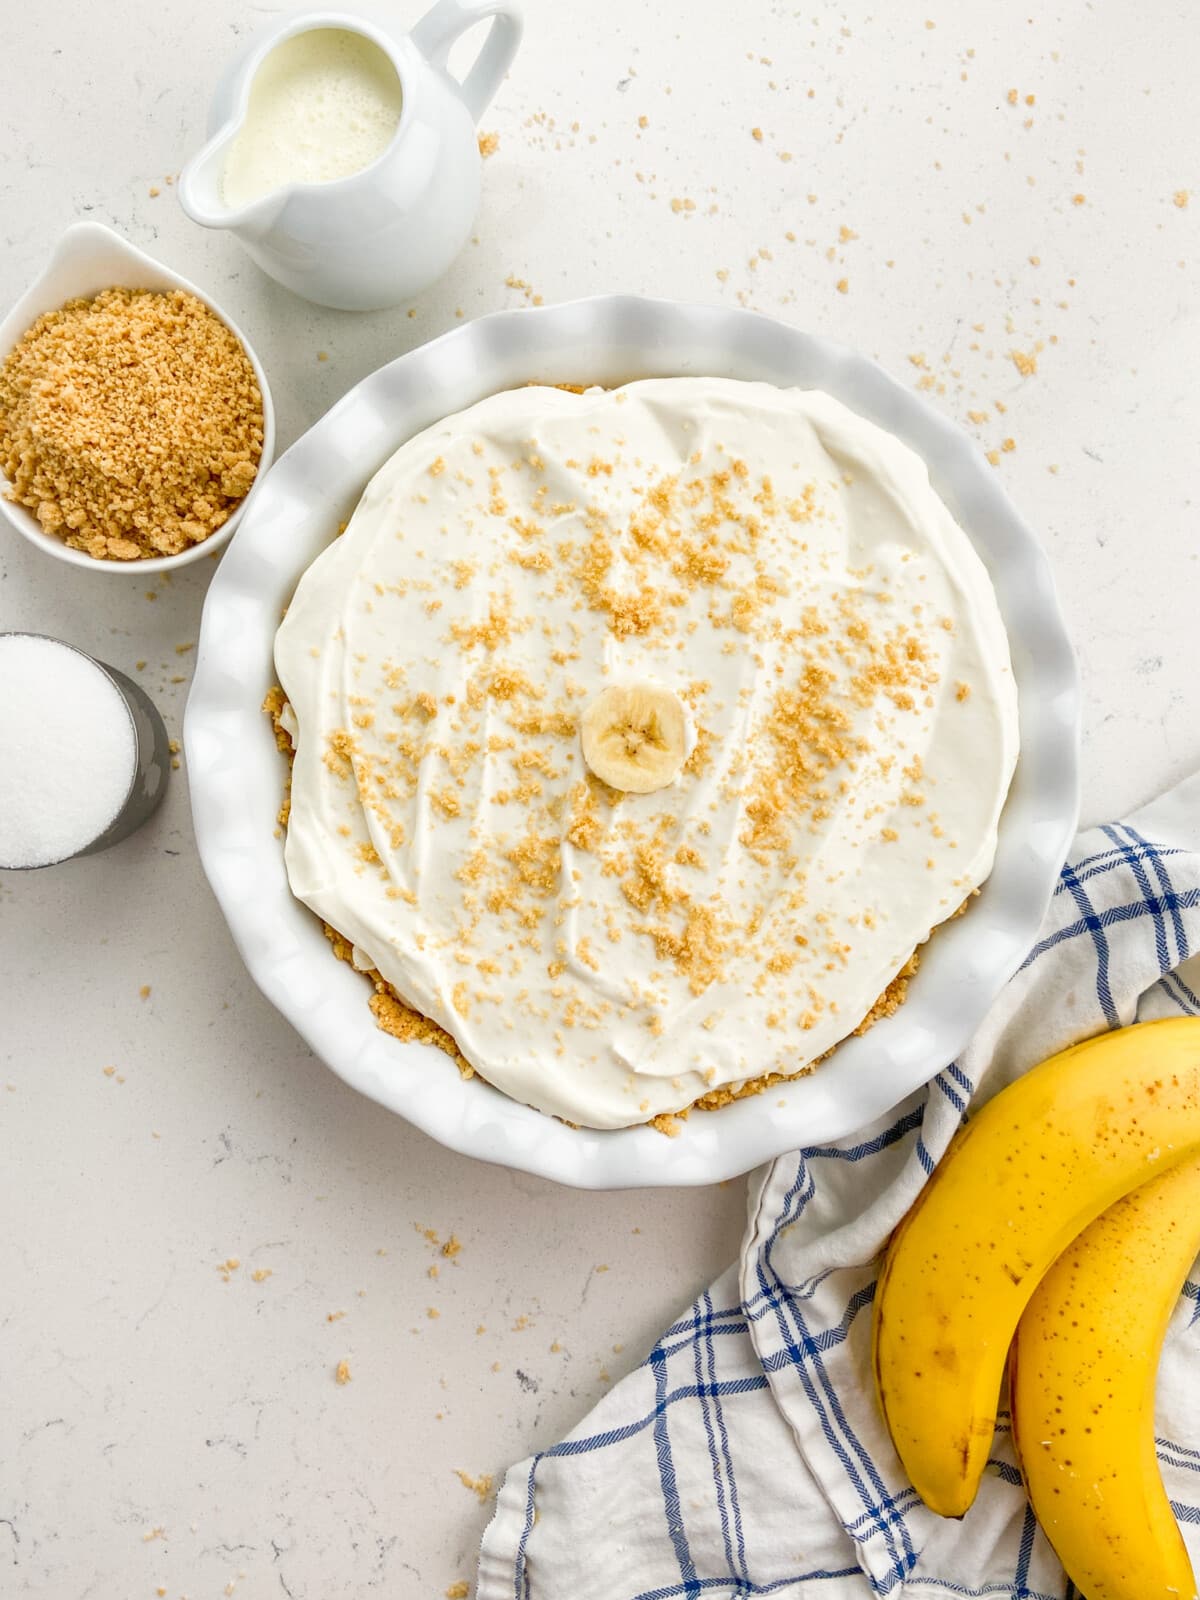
(201, 192)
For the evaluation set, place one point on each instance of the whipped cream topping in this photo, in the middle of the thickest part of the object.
(777, 562)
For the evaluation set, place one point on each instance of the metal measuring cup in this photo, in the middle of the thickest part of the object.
(152, 759)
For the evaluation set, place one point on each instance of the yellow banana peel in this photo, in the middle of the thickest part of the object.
(1019, 1182)
(1081, 1379)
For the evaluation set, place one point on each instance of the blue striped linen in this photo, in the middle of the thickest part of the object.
(745, 1456)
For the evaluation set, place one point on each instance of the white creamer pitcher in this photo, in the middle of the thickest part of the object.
(388, 230)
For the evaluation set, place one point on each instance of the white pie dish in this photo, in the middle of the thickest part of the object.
(236, 773)
(88, 258)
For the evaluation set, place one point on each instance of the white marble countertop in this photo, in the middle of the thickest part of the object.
(940, 185)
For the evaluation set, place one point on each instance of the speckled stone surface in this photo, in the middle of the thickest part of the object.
(172, 1423)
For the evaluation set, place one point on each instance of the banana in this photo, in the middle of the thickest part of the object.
(1019, 1182)
(1081, 1381)
(635, 737)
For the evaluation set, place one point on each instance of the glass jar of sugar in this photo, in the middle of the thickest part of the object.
(84, 755)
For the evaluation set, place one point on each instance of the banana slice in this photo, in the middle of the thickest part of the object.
(635, 737)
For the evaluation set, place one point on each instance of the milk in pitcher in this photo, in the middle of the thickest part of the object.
(323, 105)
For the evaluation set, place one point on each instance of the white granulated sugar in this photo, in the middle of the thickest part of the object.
(67, 751)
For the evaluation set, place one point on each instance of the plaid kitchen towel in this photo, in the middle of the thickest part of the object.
(746, 1455)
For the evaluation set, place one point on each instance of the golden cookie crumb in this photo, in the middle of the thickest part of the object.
(128, 458)
(341, 1373)
(489, 143)
(480, 1486)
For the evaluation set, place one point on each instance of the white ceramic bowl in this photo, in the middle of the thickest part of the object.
(237, 774)
(88, 258)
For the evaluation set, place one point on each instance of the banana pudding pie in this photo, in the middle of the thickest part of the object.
(642, 735)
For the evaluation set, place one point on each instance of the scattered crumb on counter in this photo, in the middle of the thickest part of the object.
(261, 1274)
(341, 1373)
(1078, 199)
(1024, 361)
(489, 143)
(155, 191)
(334, 1316)
(480, 1486)
(459, 1590)
(1181, 198)
(513, 282)
(843, 286)
(144, 992)
(756, 134)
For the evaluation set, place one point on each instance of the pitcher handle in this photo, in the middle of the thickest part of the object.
(439, 28)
